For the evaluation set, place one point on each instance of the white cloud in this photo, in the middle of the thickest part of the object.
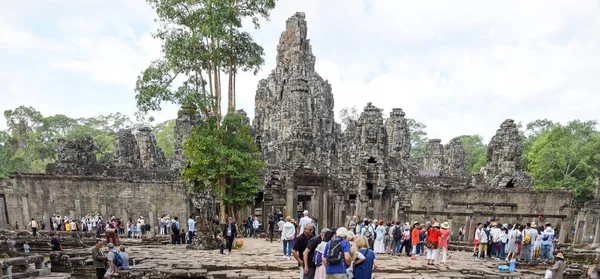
(461, 67)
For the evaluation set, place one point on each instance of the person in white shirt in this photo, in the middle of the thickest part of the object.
(191, 229)
(304, 221)
(280, 228)
(495, 234)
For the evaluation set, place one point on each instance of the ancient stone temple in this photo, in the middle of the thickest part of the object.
(309, 163)
(366, 169)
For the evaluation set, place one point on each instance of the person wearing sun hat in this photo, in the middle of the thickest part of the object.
(433, 242)
(415, 239)
(443, 246)
(559, 267)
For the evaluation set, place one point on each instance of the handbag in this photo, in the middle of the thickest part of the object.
(548, 274)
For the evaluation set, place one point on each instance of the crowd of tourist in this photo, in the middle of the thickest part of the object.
(528, 242)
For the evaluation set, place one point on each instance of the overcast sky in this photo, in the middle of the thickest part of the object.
(460, 67)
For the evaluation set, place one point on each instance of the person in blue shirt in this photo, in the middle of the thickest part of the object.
(338, 271)
(547, 237)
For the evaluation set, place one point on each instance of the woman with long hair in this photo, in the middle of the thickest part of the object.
(364, 270)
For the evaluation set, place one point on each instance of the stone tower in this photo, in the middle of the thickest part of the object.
(433, 157)
(503, 166)
(294, 122)
(455, 159)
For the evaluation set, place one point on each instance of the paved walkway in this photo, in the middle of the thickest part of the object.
(259, 259)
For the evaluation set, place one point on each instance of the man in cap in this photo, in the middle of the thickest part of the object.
(309, 255)
(112, 266)
(304, 221)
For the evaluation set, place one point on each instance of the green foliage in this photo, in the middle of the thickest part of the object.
(418, 138)
(567, 156)
(215, 155)
(200, 38)
(165, 137)
(533, 130)
(476, 152)
(29, 144)
(22, 121)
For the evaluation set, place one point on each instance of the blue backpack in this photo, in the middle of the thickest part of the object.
(318, 258)
(118, 261)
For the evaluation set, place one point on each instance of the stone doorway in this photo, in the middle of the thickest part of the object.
(304, 203)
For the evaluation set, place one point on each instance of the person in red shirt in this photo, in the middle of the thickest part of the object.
(415, 239)
(433, 241)
(443, 249)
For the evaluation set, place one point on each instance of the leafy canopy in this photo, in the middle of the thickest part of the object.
(215, 154)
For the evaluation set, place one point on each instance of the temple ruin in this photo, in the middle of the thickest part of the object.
(310, 163)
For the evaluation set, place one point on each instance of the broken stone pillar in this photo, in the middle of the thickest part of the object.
(127, 150)
(455, 159)
(432, 158)
(187, 118)
(151, 156)
(503, 166)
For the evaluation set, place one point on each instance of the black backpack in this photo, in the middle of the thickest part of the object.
(397, 232)
(174, 228)
(489, 237)
(334, 254)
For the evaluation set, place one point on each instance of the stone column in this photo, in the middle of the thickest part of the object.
(152, 221)
(396, 208)
(565, 228)
(596, 234)
(77, 210)
(470, 230)
(25, 213)
(290, 207)
(326, 209)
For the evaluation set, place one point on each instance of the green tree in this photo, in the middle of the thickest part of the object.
(165, 137)
(533, 130)
(22, 121)
(567, 156)
(6, 153)
(476, 152)
(418, 138)
(201, 39)
(224, 154)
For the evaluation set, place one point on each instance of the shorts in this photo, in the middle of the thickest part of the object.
(476, 242)
(483, 246)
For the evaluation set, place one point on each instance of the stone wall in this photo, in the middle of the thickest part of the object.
(467, 206)
(39, 196)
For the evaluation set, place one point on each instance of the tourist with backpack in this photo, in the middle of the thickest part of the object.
(175, 229)
(337, 255)
(396, 232)
(483, 235)
(318, 256)
(369, 233)
(115, 262)
(312, 257)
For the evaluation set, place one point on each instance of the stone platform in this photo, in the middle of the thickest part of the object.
(259, 259)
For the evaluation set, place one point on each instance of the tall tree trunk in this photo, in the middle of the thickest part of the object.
(222, 188)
